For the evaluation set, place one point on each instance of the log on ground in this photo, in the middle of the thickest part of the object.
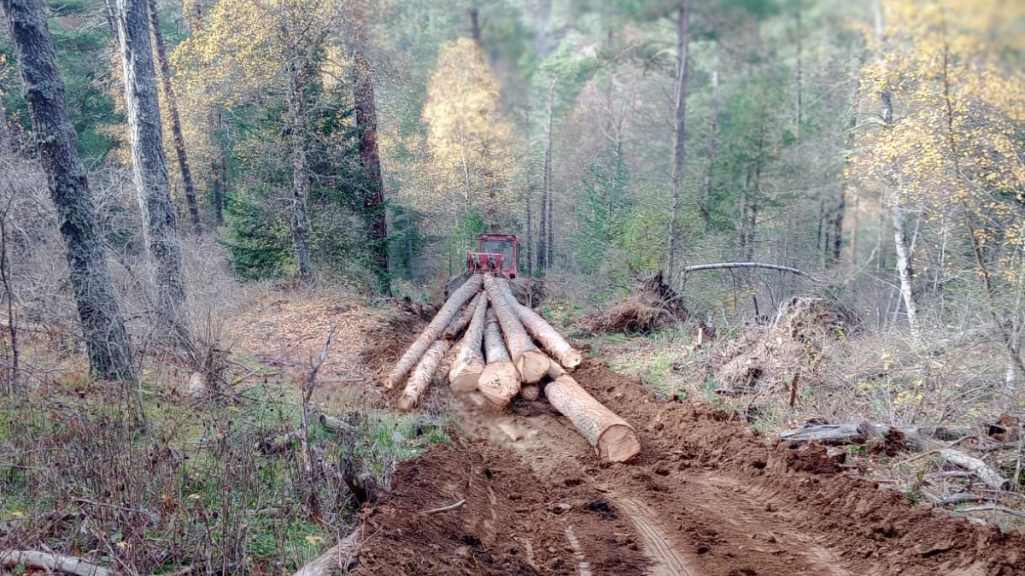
(434, 330)
(338, 558)
(980, 469)
(499, 382)
(48, 562)
(469, 362)
(421, 377)
(612, 438)
(542, 331)
(531, 363)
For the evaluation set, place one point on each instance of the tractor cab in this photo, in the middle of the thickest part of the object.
(496, 253)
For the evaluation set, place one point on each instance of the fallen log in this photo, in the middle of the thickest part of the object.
(421, 377)
(434, 330)
(531, 363)
(51, 563)
(336, 425)
(453, 330)
(540, 329)
(980, 469)
(469, 363)
(338, 558)
(499, 381)
(861, 432)
(612, 438)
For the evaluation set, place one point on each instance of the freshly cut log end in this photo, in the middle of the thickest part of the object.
(613, 439)
(533, 366)
(465, 380)
(499, 383)
(530, 392)
(434, 330)
(421, 377)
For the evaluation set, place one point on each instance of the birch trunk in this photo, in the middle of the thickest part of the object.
(107, 342)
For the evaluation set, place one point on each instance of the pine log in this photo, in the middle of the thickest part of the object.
(464, 318)
(48, 562)
(541, 330)
(531, 363)
(434, 330)
(421, 377)
(612, 438)
(469, 363)
(440, 377)
(982, 471)
(499, 381)
(338, 558)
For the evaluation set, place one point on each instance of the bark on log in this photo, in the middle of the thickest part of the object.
(339, 557)
(434, 330)
(542, 331)
(51, 563)
(612, 438)
(982, 471)
(499, 381)
(531, 363)
(469, 363)
(463, 320)
(421, 377)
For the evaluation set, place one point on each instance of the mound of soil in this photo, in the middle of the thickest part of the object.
(652, 305)
(800, 344)
(500, 520)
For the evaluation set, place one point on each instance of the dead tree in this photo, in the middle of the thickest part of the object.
(110, 353)
(159, 221)
(172, 110)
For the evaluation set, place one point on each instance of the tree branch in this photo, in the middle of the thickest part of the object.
(732, 265)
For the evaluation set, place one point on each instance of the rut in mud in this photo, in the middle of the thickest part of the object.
(707, 496)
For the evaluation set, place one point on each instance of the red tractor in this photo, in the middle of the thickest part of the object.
(496, 253)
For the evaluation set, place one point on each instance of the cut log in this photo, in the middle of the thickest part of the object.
(612, 438)
(542, 331)
(421, 377)
(440, 377)
(51, 563)
(499, 381)
(531, 363)
(338, 558)
(434, 330)
(982, 471)
(469, 363)
(464, 318)
(530, 392)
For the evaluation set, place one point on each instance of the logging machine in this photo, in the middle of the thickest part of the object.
(496, 253)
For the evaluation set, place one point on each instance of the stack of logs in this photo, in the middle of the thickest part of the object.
(496, 355)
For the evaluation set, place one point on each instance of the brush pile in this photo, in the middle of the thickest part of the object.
(484, 340)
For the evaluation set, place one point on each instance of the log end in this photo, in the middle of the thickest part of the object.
(407, 403)
(499, 383)
(465, 380)
(533, 366)
(619, 443)
(572, 359)
(530, 392)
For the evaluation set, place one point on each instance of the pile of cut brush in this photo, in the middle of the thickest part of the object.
(496, 354)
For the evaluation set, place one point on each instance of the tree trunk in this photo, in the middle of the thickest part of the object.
(172, 111)
(499, 382)
(107, 342)
(159, 221)
(421, 377)
(434, 330)
(374, 211)
(469, 363)
(713, 151)
(905, 271)
(541, 330)
(612, 438)
(531, 363)
(456, 327)
(545, 235)
(530, 230)
(679, 127)
(297, 81)
(5, 132)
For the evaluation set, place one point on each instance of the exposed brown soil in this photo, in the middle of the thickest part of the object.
(707, 496)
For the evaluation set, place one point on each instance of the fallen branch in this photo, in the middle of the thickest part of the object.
(992, 508)
(341, 556)
(51, 563)
(732, 265)
(445, 508)
(982, 471)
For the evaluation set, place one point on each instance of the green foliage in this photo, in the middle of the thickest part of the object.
(646, 238)
(257, 237)
(602, 210)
